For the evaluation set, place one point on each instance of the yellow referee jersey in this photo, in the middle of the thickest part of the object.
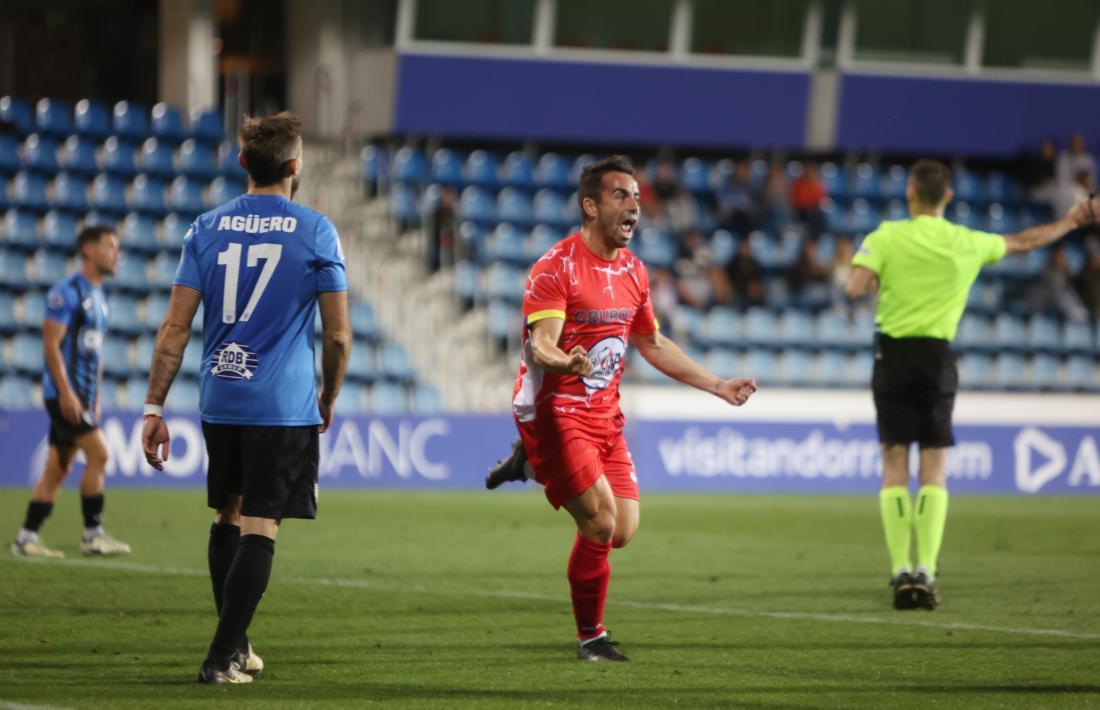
(925, 267)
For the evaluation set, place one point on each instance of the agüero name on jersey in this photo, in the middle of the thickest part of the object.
(255, 224)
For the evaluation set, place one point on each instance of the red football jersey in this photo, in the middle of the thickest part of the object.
(602, 302)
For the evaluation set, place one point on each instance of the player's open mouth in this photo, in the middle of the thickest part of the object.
(626, 227)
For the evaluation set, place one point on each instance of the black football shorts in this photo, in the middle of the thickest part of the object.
(914, 384)
(272, 468)
(64, 433)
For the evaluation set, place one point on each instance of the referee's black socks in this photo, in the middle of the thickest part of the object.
(244, 587)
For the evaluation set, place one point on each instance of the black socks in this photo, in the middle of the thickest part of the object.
(36, 515)
(219, 554)
(92, 507)
(244, 587)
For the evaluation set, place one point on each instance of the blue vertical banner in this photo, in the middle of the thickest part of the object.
(453, 452)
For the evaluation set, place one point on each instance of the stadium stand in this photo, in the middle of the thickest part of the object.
(148, 173)
(511, 209)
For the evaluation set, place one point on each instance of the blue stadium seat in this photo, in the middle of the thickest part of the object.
(759, 326)
(174, 229)
(156, 307)
(40, 154)
(482, 168)
(70, 192)
(1009, 372)
(184, 395)
(363, 322)
(830, 368)
(394, 363)
(694, 176)
(975, 371)
(131, 121)
(361, 364)
(100, 219)
(156, 158)
(111, 396)
(446, 167)
(518, 170)
(13, 270)
(467, 281)
(53, 117)
(115, 356)
(17, 112)
(504, 320)
(549, 207)
(372, 161)
(1008, 332)
(197, 160)
(192, 359)
(1081, 373)
(132, 273)
(207, 126)
(59, 230)
(1044, 371)
(388, 398)
(835, 181)
(998, 220)
(998, 187)
(117, 158)
(138, 232)
(8, 323)
(168, 123)
(20, 229)
(405, 203)
(26, 354)
(16, 392)
(500, 282)
(541, 240)
(1077, 338)
(91, 119)
(861, 217)
(78, 156)
(513, 206)
(427, 400)
(228, 164)
(9, 155)
(962, 213)
(409, 166)
(351, 399)
(865, 181)
(967, 186)
(1043, 334)
(477, 205)
(108, 194)
(974, 332)
(654, 247)
(506, 244)
(223, 190)
(720, 327)
(164, 269)
(795, 327)
(893, 183)
(895, 210)
(795, 367)
(134, 390)
(49, 267)
(721, 361)
(579, 164)
(28, 191)
(723, 246)
(125, 315)
(185, 196)
(147, 196)
(552, 171)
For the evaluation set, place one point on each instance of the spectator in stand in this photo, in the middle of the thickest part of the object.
(682, 212)
(808, 279)
(1068, 194)
(1088, 282)
(743, 284)
(700, 281)
(1042, 173)
(841, 268)
(653, 210)
(443, 231)
(1075, 160)
(775, 201)
(663, 294)
(739, 202)
(1054, 290)
(807, 195)
(667, 182)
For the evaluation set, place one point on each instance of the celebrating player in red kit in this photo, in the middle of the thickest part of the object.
(584, 299)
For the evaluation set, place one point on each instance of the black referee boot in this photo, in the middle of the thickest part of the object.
(926, 593)
(904, 591)
(509, 468)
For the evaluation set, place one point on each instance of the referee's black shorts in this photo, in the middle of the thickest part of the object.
(272, 468)
(914, 383)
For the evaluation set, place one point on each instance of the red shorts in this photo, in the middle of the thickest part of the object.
(570, 455)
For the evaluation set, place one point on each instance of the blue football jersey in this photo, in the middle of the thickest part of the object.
(82, 308)
(259, 262)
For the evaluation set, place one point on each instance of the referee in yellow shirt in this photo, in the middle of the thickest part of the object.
(923, 268)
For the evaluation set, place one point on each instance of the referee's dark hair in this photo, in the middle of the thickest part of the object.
(268, 144)
(91, 235)
(931, 180)
(591, 183)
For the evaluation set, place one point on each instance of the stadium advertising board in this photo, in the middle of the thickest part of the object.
(705, 456)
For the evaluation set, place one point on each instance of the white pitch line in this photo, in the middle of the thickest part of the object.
(346, 583)
(8, 705)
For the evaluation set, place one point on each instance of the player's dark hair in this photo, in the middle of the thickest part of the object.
(268, 144)
(91, 235)
(931, 179)
(591, 182)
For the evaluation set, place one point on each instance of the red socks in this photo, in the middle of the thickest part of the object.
(589, 574)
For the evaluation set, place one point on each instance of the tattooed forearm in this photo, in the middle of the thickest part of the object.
(167, 358)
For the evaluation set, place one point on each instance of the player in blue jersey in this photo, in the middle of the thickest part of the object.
(260, 265)
(72, 333)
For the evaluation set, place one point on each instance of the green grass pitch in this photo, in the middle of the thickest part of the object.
(453, 600)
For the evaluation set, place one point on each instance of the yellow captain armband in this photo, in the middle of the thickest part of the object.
(543, 315)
